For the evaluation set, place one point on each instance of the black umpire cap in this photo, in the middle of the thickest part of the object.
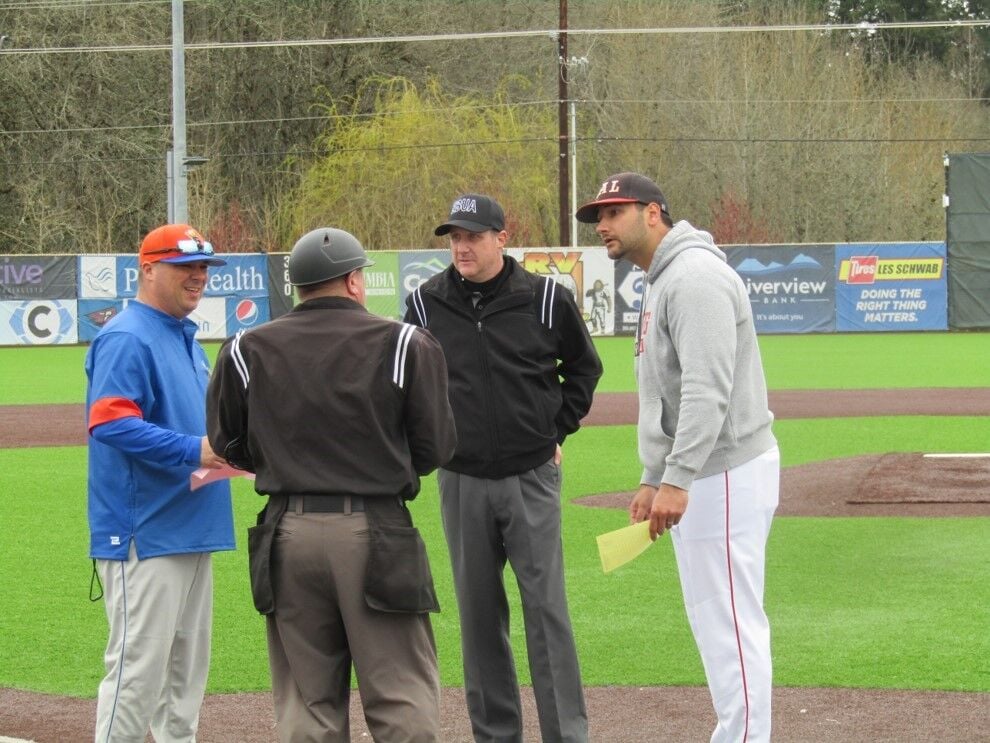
(475, 213)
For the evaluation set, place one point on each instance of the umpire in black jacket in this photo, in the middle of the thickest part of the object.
(522, 371)
(338, 412)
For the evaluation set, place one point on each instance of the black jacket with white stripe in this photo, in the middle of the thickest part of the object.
(331, 399)
(522, 367)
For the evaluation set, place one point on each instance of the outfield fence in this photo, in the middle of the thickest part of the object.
(852, 287)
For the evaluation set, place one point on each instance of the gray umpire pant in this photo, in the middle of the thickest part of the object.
(322, 626)
(517, 519)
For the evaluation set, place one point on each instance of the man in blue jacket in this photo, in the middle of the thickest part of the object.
(151, 538)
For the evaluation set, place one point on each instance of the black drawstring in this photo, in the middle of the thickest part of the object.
(95, 578)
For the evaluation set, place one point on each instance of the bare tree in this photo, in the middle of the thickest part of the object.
(822, 143)
(817, 137)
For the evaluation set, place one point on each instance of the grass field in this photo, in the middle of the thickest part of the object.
(37, 375)
(878, 602)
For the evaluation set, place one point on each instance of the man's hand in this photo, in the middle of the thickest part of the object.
(207, 457)
(558, 455)
(669, 505)
(639, 509)
(663, 506)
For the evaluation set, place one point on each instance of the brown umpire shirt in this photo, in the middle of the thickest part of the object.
(330, 398)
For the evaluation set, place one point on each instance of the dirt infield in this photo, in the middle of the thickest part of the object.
(65, 425)
(873, 485)
(617, 714)
(910, 484)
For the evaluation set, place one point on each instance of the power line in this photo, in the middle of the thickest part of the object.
(279, 120)
(774, 101)
(863, 26)
(788, 140)
(547, 102)
(71, 4)
(530, 140)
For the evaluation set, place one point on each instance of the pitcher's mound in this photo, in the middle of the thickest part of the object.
(872, 485)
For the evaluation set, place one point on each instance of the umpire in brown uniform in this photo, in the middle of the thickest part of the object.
(338, 412)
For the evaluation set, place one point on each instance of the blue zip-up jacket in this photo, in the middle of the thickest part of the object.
(146, 408)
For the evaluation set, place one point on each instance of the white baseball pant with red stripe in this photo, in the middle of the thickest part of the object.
(720, 545)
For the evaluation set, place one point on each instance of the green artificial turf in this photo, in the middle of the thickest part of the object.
(48, 375)
(872, 602)
(817, 439)
(875, 602)
(842, 361)
(34, 375)
(876, 360)
(54, 374)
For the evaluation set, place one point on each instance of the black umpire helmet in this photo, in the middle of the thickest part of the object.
(324, 254)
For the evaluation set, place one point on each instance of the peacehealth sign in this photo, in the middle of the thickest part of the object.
(236, 295)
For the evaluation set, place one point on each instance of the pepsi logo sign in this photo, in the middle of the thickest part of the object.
(246, 312)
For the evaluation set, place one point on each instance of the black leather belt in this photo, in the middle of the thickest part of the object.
(325, 503)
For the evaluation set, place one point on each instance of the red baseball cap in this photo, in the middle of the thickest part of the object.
(177, 244)
(623, 188)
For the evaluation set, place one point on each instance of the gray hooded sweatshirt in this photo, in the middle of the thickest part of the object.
(702, 393)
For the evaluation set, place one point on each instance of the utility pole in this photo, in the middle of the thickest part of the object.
(563, 140)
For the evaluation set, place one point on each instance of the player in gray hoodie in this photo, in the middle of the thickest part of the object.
(711, 467)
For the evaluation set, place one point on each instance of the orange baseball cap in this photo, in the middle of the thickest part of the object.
(177, 244)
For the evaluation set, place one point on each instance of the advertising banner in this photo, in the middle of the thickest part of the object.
(418, 266)
(217, 317)
(108, 276)
(280, 297)
(236, 295)
(380, 285)
(38, 277)
(98, 276)
(115, 276)
(384, 291)
(587, 272)
(245, 312)
(94, 314)
(244, 276)
(898, 286)
(211, 319)
(38, 322)
(629, 281)
(791, 288)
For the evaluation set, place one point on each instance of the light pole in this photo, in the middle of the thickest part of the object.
(564, 175)
(175, 171)
(575, 63)
(187, 164)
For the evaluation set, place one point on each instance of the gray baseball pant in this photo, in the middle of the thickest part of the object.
(488, 522)
(158, 652)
